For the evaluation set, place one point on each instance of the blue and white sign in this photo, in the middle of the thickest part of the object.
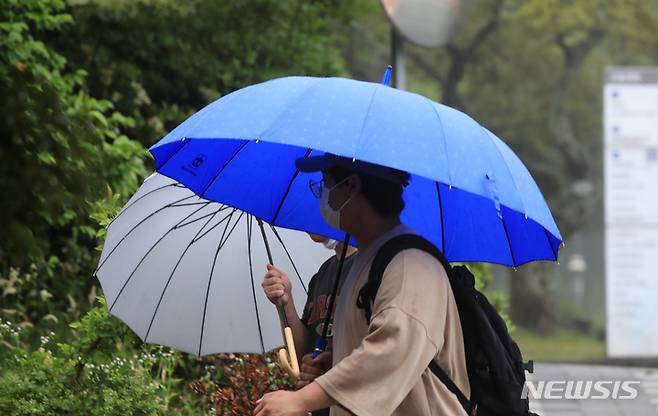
(631, 210)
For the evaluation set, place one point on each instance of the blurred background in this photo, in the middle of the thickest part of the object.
(87, 86)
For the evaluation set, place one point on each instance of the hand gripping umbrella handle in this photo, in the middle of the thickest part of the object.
(290, 365)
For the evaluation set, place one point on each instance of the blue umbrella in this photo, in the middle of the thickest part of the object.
(469, 193)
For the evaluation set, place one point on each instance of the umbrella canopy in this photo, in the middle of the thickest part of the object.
(469, 193)
(186, 272)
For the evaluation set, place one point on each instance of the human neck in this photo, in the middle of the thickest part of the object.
(339, 250)
(372, 227)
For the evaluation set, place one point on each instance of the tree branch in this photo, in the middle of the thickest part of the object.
(460, 57)
(429, 68)
(489, 27)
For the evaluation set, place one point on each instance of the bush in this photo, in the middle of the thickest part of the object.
(60, 149)
(54, 380)
(234, 382)
(105, 370)
(499, 300)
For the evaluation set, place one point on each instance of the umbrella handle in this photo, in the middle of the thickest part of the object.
(291, 366)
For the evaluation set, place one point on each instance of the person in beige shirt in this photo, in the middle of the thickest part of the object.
(381, 368)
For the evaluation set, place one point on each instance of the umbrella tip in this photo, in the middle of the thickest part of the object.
(386, 79)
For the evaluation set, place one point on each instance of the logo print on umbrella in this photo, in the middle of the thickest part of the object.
(198, 161)
(195, 164)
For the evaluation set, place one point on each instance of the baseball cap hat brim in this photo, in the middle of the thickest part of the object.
(328, 161)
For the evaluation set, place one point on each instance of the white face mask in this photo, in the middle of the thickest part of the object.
(329, 214)
(330, 243)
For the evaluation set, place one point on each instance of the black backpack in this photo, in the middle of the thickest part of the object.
(493, 360)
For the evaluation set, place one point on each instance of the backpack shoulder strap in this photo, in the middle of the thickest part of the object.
(369, 290)
(469, 406)
(390, 249)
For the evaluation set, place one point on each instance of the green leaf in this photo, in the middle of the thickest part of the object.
(46, 158)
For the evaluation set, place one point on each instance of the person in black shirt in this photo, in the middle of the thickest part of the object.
(307, 329)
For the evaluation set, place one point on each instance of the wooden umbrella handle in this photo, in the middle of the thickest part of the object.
(289, 364)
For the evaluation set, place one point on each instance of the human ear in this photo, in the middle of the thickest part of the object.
(354, 184)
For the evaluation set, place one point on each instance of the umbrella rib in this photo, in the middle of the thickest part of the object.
(137, 200)
(216, 225)
(135, 227)
(285, 195)
(253, 289)
(164, 290)
(173, 154)
(443, 234)
(365, 119)
(146, 255)
(232, 229)
(205, 305)
(205, 201)
(224, 237)
(509, 242)
(445, 142)
(548, 239)
(212, 272)
(200, 218)
(202, 194)
(222, 241)
(276, 233)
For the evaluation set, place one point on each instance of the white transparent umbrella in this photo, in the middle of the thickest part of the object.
(186, 272)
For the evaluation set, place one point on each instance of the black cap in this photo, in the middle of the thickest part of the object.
(328, 161)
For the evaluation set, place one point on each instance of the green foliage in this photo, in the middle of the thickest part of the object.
(67, 165)
(102, 369)
(561, 345)
(161, 60)
(499, 300)
(103, 211)
(66, 158)
(54, 134)
(61, 148)
(21, 292)
(83, 377)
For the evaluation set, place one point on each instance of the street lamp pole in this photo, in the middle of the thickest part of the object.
(397, 53)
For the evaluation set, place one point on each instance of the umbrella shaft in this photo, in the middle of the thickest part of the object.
(330, 308)
(282, 313)
(279, 302)
(267, 244)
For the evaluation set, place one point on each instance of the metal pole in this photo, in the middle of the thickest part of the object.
(397, 55)
(279, 302)
(321, 343)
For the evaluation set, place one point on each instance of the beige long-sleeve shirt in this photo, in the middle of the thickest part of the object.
(381, 369)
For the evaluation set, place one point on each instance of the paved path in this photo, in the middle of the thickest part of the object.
(646, 403)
